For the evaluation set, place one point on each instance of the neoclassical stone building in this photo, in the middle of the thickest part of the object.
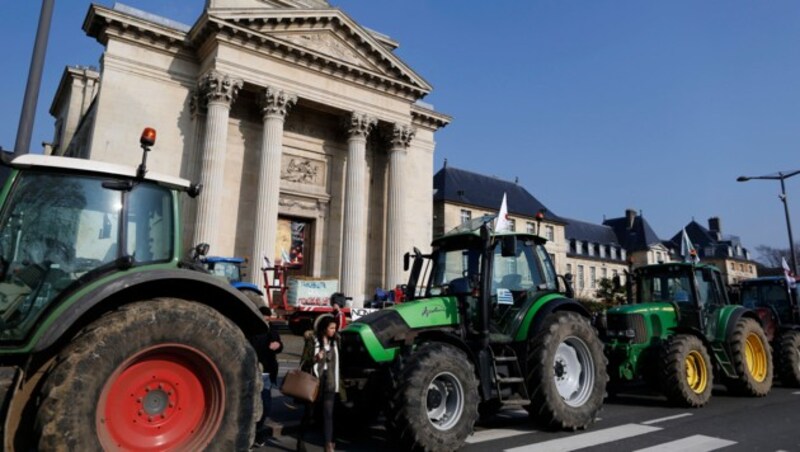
(304, 128)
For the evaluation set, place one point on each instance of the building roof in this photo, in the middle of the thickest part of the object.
(639, 237)
(708, 244)
(590, 232)
(465, 187)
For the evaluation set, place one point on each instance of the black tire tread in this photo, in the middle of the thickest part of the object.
(63, 423)
(546, 406)
(414, 432)
(673, 371)
(789, 358)
(745, 385)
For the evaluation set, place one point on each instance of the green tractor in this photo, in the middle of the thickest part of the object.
(774, 298)
(682, 333)
(485, 327)
(110, 338)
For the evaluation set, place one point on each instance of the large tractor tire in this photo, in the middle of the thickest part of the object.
(790, 358)
(434, 405)
(163, 374)
(566, 372)
(687, 375)
(752, 360)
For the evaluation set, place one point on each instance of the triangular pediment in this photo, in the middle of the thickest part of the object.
(322, 34)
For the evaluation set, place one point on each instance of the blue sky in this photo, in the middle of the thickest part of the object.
(596, 106)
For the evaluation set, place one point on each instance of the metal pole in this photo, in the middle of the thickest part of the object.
(792, 253)
(25, 129)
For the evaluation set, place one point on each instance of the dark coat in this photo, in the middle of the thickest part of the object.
(268, 358)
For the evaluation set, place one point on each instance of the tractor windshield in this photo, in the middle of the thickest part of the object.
(458, 270)
(57, 228)
(227, 270)
(665, 285)
(773, 295)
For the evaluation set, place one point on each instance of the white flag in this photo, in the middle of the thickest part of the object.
(687, 248)
(502, 223)
(787, 272)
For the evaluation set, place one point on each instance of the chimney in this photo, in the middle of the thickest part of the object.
(715, 227)
(630, 215)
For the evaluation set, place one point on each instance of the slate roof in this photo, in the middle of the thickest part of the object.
(708, 245)
(465, 187)
(638, 238)
(590, 232)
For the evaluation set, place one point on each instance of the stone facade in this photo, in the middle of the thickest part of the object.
(286, 111)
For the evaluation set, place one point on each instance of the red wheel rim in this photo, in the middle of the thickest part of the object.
(165, 397)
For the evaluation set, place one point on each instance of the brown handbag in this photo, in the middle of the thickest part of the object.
(300, 385)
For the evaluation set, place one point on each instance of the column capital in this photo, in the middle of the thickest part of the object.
(401, 136)
(276, 102)
(215, 86)
(359, 125)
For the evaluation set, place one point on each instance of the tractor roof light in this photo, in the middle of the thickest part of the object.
(147, 139)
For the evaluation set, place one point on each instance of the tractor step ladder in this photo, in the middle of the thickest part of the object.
(722, 358)
(509, 381)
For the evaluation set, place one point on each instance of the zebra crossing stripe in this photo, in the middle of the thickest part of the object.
(664, 419)
(696, 443)
(588, 439)
(493, 434)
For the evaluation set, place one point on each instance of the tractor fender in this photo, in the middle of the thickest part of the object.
(692, 332)
(734, 319)
(436, 335)
(241, 285)
(149, 284)
(561, 304)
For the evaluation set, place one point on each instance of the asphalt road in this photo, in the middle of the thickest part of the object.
(630, 423)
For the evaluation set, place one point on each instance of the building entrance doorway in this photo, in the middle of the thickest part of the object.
(294, 245)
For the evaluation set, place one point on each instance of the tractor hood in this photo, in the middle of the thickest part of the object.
(643, 308)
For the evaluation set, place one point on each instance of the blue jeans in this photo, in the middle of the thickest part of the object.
(266, 397)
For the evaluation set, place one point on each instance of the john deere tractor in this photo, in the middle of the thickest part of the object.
(109, 337)
(682, 333)
(485, 327)
(774, 298)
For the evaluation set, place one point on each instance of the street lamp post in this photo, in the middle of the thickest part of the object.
(781, 176)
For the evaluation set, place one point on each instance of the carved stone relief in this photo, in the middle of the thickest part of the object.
(303, 171)
(326, 44)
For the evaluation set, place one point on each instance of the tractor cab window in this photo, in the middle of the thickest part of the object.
(54, 229)
(770, 295)
(150, 224)
(669, 286)
(227, 270)
(455, 271)
(522, 272)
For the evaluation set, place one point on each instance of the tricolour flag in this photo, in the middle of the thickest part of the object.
(787, 272)
(502, 223)
(688, 251)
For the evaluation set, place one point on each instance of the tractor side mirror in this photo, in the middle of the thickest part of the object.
(508, 246)
(569, 292)
(406, 261)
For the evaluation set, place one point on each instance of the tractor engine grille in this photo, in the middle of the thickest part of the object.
(627, 327)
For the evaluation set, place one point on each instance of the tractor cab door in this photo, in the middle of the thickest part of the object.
(516, 277)
(710, 299)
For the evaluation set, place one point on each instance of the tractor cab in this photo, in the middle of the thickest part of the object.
(518, 273)
(773, 294)
(695, 291)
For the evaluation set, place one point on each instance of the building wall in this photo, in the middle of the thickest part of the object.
(145, 83)
(592, 271)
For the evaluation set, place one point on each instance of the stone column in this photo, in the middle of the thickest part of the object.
(219, 91)
(396, 214)
(275, 104)
(191, 169)
(354, 246)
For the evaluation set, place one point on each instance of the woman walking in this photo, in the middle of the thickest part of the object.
(321, 353)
